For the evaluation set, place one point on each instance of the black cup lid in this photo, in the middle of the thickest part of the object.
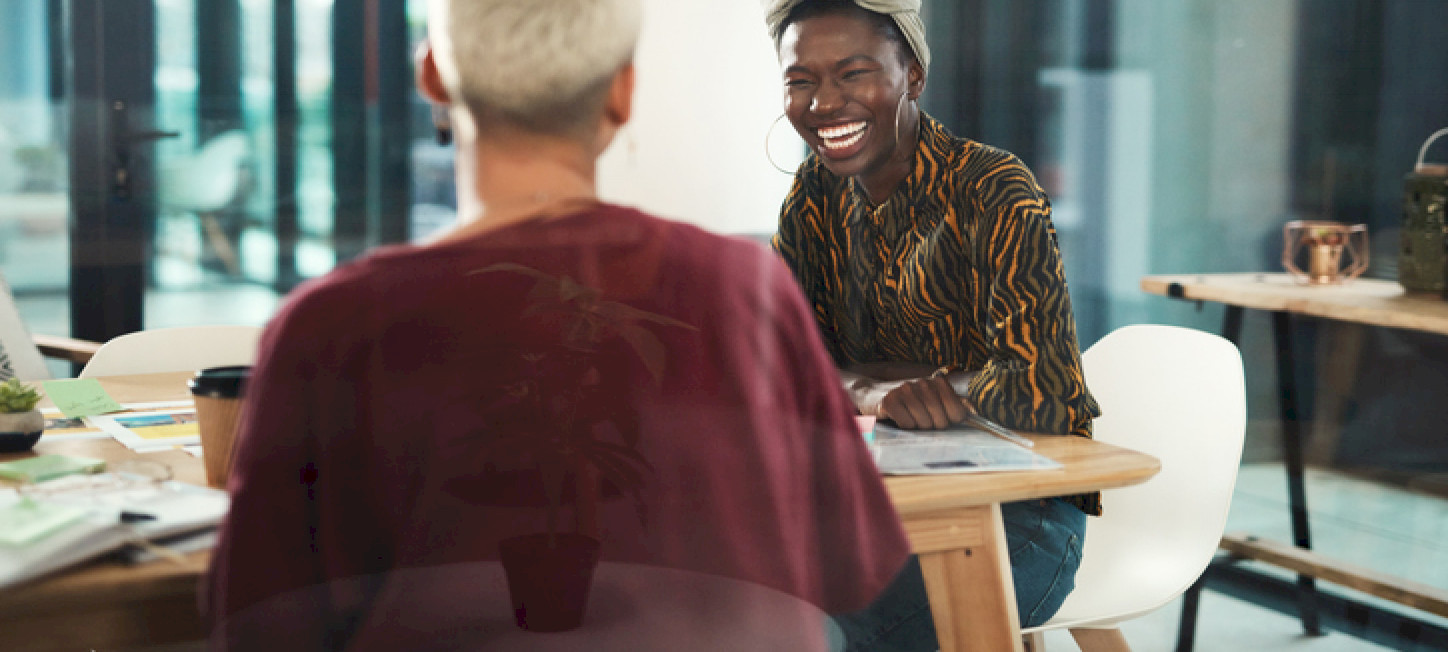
(219, 382)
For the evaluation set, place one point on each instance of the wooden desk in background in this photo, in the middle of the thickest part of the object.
(1355, 305)
(953, 521)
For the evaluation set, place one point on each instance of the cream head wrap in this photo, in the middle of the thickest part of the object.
(905, 12)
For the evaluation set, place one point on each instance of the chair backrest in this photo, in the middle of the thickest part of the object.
(210, 178)
(175, 349)
(1177, 394)
(19, 357)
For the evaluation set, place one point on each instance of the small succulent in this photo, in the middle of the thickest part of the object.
(16, 397)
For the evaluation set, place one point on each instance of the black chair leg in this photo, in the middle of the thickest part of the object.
(1187, 630)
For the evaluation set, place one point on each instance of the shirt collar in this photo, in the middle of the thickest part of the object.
(920, 187)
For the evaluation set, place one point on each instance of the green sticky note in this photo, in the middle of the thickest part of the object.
(26, 521)
(47, 467)
(81, 397)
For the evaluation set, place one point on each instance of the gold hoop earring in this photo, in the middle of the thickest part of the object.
(899, 104)
(767, 154)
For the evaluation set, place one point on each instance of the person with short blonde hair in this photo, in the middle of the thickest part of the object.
(396, 426)
(540, 66)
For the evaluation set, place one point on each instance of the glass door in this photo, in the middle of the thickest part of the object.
(179, 162)
(34, 179)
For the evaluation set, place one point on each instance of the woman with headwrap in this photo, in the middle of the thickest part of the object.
(932, 267)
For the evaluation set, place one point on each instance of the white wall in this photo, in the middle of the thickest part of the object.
(708, 89)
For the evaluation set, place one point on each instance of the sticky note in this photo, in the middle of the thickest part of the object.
(81, 397)
(46, 467)
(26, 521)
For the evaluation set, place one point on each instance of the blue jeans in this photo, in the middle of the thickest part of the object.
(1044, 538)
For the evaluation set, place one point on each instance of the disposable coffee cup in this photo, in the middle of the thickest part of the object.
(217, 392)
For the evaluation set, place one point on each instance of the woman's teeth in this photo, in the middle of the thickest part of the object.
(842, 136)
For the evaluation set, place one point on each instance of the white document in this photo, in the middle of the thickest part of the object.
(953, 450)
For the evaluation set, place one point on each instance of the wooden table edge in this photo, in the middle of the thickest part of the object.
(1113, 467)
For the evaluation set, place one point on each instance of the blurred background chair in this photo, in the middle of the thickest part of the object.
(22, 355)
(209, 183)
(1177, 394)
(174, 349)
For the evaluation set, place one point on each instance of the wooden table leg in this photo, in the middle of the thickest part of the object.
(967, 570)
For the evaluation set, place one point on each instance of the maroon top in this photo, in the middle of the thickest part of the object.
(364, 444)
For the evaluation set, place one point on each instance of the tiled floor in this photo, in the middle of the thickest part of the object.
(1363, 523)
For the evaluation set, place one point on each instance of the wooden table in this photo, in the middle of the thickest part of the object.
(108, 604)
(954, 523)
(1359, 303)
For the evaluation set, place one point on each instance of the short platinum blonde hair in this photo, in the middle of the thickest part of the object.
(540, 65)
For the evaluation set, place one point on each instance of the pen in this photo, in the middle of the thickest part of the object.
(998, 430)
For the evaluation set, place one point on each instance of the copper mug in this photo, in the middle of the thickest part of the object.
(1336, 252)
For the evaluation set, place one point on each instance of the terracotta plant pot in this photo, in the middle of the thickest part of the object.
(549, 585)
(20, 430)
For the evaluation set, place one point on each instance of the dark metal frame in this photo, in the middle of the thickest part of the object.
(1229, 576)
(112, 97)
(1311, 604)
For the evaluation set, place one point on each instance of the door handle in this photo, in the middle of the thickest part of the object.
(122, 139)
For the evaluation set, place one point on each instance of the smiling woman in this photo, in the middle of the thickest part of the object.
(932, 266)
(851, 84)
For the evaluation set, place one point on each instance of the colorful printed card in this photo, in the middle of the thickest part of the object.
(141, 431)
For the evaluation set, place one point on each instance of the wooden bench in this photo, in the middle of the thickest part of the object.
(1307, 562)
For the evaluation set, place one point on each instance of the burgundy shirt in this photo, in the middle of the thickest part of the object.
(364, 439)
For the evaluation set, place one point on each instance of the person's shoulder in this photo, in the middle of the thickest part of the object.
(692, 246)
(334, 297)
(985, 171)
(735, 265)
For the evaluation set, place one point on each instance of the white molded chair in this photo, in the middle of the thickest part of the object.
(1177, 394)
(205, 183)
(175, 349)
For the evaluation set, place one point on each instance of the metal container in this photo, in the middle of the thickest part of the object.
(1423, 261)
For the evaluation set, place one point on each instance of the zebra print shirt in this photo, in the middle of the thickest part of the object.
(958, 267)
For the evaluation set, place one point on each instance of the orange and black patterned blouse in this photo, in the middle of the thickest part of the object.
(958, 267)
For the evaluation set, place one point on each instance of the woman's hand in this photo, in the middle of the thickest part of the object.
(915, 403)
(923, 403)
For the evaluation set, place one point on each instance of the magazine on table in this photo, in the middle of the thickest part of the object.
(959, 449)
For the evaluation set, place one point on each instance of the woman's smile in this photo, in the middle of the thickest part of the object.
(846, 88)
(842, 141)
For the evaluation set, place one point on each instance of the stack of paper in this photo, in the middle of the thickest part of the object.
(68, 527)
(953, 450)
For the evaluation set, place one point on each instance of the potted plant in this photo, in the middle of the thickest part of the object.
(572, 433)
(20, 423)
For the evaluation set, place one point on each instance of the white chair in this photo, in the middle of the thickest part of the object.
(175, 349)
(22, 355)
(1177, 394)
(205, 183)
